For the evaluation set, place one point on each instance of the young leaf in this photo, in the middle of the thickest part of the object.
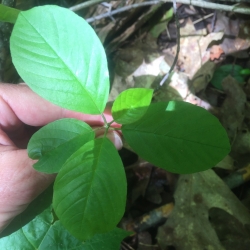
(8, 14)
(61, 58)
(131, 105)
(54, 143)
(179, 137)
(90, 190)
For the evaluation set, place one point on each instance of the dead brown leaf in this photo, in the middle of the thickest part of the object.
(216, 52)
(234, 40)
(232, 112)
(232, 233)
(188, 226)
(226, 163)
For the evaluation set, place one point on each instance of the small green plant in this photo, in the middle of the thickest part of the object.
(60, 57)
(236, 71)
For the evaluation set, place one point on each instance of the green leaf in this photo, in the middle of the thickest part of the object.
(162, 25)
(60, 57)
(107, 241)
(131, 105)
(31, 235)
(179, 137)
(58, 237)
(36, 207)
(8, 14)
(90, 190)
(245, 72)
(224, 71)
(42, 234)
(54, 143)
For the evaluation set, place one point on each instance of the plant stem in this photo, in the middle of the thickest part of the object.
(111, 122)
(106, 125)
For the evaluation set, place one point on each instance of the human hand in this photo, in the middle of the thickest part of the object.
(21, 112)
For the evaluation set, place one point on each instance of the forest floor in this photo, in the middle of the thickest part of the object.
(209, 49)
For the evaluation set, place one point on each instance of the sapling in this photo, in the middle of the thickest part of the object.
(60, 57)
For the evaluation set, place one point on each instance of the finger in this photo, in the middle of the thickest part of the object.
(19, 184)
(19, 104)
(112, 135)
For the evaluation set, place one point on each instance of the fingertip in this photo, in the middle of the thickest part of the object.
(114, 137)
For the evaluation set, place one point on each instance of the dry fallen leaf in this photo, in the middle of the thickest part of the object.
(236, 37)
(188, 226)
(226, 163)
(232, 112)
(232, 233)
(216, 52)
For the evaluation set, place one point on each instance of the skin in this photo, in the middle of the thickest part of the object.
(22, 112)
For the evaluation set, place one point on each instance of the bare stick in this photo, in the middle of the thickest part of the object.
(85, 5)
(216, 6)
(178, 46)
(203, 18)
(126, 8)
(198, 3)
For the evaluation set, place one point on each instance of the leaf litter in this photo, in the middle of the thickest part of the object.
(196, 211)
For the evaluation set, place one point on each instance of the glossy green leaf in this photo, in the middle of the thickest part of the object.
(60, 57)
(54, 143)
(131, 105)
(8, 14)
(42, 234)
(224, 71)
(90, 190)
(179, 137)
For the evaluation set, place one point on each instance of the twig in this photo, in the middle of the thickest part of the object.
(216, 6)
(203, 18)
(238, 178)
(85, 5)
(127, 245)
(114, 12)
(148, 220)
(233, 1)
(198, 3)
(213, 21)
(178, 47)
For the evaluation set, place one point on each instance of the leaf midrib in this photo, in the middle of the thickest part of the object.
(162, 135)
(74, 76)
